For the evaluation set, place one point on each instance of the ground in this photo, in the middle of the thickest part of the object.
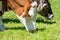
(46, 30)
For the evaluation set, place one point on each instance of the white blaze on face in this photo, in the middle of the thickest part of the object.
(30, 22)
(0, 5)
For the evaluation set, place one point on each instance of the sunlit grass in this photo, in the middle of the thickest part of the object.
(46, 30)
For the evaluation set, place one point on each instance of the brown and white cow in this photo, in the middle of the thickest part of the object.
(40, 6)
(25, 10)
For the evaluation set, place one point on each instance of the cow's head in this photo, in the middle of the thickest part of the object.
(44, 9)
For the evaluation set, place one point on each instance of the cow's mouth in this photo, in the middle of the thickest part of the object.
(50, 16)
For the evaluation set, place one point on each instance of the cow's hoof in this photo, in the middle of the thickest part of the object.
(2, 28)
(33, 31)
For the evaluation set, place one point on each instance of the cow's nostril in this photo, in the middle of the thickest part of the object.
(50, 17)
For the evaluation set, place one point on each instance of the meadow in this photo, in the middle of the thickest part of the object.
(46, 29)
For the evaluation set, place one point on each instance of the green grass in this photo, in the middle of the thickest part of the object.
(46, 30)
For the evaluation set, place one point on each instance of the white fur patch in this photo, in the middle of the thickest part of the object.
(0, 5)
(34, 4)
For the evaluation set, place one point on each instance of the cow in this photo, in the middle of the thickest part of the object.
(35, 6)
(25, 10)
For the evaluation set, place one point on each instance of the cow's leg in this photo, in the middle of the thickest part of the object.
(2, 28)
(1, 23)
(33, 14)
(34, 21)
(27, 22)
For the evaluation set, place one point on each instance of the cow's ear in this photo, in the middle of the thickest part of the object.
(41, 7)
